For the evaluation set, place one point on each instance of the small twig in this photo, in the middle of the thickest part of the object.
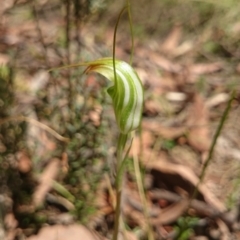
(36, 123)
(173, 198)
(198, 205)
(214, 141)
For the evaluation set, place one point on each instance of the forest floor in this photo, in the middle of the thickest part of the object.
(58, 133)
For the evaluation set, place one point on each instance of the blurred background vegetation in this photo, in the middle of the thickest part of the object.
(36, 36)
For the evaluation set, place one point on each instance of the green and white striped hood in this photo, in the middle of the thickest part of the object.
(126, 93)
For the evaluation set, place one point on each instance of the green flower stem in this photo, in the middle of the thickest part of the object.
(117, 214)
(122, 140)
(142, 195)
(131, 30)
(120, 149)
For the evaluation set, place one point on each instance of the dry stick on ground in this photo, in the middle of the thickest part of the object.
(198, 205)
(36, 123)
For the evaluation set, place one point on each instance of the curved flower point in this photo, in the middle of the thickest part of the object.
(126, 93)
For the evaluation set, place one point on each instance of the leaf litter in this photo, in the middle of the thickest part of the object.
(170, 70)
(46, 179)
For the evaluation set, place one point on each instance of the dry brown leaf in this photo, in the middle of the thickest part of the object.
(4, 59)
(217, 99)
(172, 212)
(132, 215)
(91, 82)
(129, 235)
(132, 199)
(10, 221)
(205, 68)
(168, 83)
(64, 164)
(15, 34)
(152, 107)
(176, 96)
(142, 144)
(177, 175)
(225, 233)
(45, 181)
(60, 232)
(186, 156)
(95, 115)
(161, 83)
(24, 162)
(165, 64)
(98, 219)
(159, 60)
(238, 68)
(192, 72)
(5, 5)
(184, 48)
(172, 40)
(48, 143)
(147, 140)
(38, 81)
(198, 121)
(37, 135)
(166, 132)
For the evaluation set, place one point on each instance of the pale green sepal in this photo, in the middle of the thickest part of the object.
(126, 93)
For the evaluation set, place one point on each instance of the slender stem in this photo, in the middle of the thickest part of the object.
(217, 134)
(141, 191)
(117, 215)
(121, 145)
(131, 31)
(122, 137)
(120, 150)
(114, 44)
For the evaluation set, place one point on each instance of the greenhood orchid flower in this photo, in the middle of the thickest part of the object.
(126, 93)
